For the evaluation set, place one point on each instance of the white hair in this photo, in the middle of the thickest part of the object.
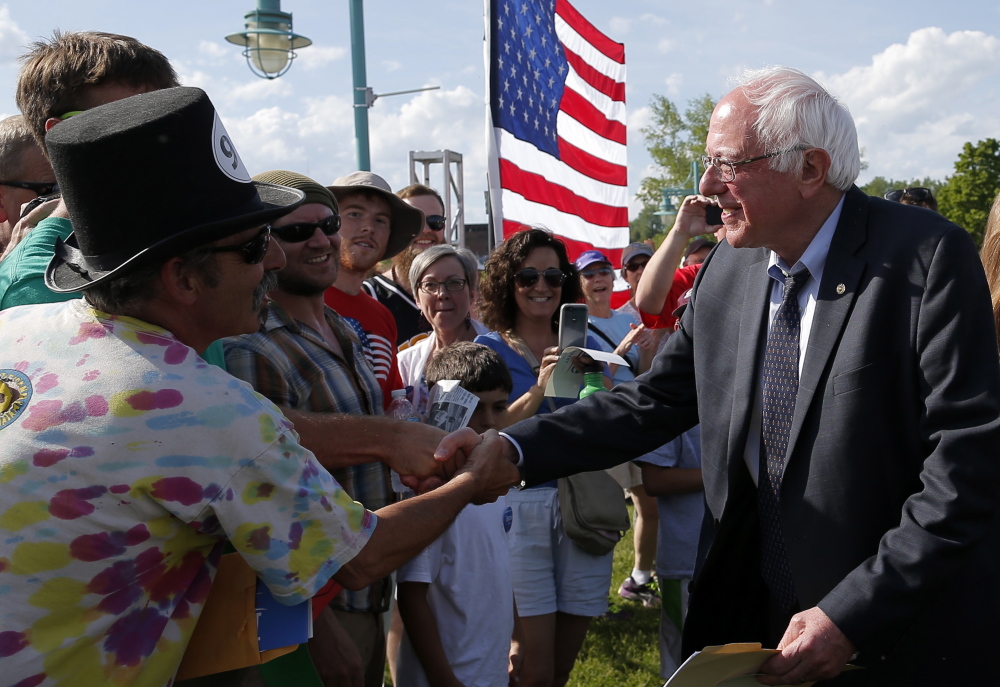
(794, 112)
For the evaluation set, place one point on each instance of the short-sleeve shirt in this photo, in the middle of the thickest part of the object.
(470, 593)
(293, 366)
(22, 273)
(683, 280)
(411, 325)
(380, 328)
(680, 514)
(126, 462)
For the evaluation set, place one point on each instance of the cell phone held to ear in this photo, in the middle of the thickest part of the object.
(572, 325)
(713, 215)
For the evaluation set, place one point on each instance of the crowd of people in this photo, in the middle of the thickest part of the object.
(200, 370)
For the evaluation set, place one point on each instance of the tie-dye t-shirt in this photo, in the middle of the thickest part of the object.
(125, 460)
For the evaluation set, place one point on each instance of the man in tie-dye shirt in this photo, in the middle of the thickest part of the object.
(127, 460)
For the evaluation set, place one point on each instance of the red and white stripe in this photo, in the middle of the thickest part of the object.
(582, 197)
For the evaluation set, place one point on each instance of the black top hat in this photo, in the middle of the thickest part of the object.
(186, 186)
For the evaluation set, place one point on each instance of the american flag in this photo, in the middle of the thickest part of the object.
(557, 126)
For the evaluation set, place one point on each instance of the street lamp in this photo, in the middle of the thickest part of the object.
(668, 208)
(268, 41)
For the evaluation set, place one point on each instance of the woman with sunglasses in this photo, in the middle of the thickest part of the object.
(558, 587)
(444, 285)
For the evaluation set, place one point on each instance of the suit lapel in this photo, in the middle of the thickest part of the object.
(837, 293)
(752, 325)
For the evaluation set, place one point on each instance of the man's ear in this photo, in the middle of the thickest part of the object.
(815, 166)
(179, 283)
(51, 122)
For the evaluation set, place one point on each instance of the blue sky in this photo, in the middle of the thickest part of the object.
(921, 78)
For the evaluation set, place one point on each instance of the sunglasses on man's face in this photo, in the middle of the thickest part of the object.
(436, 222)
(303, 231)
(918, 194)
(253, 250)
(528, 277)
(42, 188)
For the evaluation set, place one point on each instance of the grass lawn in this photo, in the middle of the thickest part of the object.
(621, 652)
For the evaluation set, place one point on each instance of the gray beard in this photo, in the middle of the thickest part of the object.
(267, 284)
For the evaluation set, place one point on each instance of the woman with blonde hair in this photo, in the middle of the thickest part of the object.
(991, 257)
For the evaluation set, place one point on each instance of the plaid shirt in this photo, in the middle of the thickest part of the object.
(291, 364)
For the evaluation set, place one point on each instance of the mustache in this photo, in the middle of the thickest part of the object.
(266, 285)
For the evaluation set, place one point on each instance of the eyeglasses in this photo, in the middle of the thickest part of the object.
(436, 222)
(727, 169)
(917, 193)
(434, 287)
(528, 277)
(253, 250)
(303, 231)
(635, 266)
(590, 274)
(42, 188)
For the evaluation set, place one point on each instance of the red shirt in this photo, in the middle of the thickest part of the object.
(380, 327)
(683, 280)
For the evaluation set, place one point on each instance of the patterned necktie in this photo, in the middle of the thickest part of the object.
(781, 384)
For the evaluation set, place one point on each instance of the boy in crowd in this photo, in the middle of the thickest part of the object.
(456, 598)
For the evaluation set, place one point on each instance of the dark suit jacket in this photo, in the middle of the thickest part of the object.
(892, 481)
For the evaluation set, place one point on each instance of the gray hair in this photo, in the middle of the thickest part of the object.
(126, 295)
(15, 139)
(795, 112)
(422, 262)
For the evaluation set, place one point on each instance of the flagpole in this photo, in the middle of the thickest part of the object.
(361, 103)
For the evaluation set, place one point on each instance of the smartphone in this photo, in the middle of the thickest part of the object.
(713, 215)
(572, 325)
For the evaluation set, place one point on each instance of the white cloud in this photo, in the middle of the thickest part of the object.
(665, 45)
(261, 89)
(620, 25)
(638, 118)
(392, 65)
(916, 103)
(673, 83)
(216, 51)
(319, 56)
(13, 39)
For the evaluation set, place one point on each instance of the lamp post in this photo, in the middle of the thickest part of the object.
(270, 48)
(268, 39)
(668, 209)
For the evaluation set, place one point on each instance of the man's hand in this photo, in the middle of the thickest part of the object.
(813, 648)
(487, 461)
(415, 461)
(690, 220)
(54, 207)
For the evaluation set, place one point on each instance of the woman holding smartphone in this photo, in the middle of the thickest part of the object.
(558, 587)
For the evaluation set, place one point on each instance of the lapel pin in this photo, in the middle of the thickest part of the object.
(841, 289)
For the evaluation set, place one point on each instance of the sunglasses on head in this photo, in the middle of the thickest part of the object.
(253, 250)
(436, 222)
(303, 231)
(635, 266)
(917, 193)
(528, 277)
(42, 188)
(590, 274)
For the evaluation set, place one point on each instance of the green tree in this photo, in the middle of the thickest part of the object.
(673, 141)
(646, 224)
(968, 194)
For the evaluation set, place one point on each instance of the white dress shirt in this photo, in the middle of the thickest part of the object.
(813, 259)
